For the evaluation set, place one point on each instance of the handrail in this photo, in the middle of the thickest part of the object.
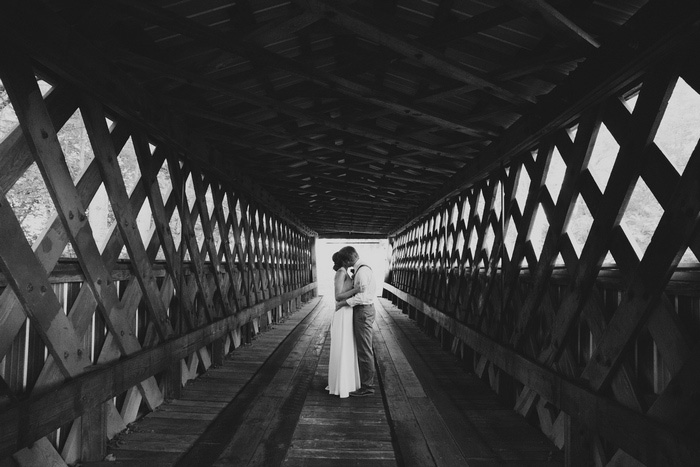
(632, 431)
(28, 420)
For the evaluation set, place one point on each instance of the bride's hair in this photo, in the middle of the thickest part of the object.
(337, 260)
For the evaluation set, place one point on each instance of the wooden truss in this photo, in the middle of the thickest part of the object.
(603, 355)
(181, 301)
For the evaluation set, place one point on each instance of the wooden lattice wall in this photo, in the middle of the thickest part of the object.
(207, 268)
(533, 277)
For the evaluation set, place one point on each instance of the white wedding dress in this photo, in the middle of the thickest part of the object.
(343, 370)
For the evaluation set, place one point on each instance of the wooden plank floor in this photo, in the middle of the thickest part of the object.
(461, 420)
(340, 432)
(267, 406)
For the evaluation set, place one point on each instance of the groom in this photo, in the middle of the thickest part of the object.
(362, 304)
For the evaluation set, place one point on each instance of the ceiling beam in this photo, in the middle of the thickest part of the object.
(46, 38)
(180, 106)
(387, 185)
(364, 27)
(261, 56)
(655, 31)
(186, 77)
(277, 31)
(308, 158)
(557, 22)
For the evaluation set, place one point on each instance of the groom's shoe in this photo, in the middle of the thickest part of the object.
(362, 392)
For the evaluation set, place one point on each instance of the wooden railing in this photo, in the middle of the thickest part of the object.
(509, 372)
(126, 269)
(569, 278)
(119, 391)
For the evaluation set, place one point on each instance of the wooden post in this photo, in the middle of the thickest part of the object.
(217, 351)
(577, 444)
(171, 382)
(94, 434)
(314, 270)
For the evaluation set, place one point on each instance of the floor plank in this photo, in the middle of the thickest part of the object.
(485, 431)
(203, 401)
(267, 405)
(340, 432)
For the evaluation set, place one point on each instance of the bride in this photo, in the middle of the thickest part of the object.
(343, 370)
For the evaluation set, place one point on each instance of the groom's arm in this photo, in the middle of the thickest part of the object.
(362, 279)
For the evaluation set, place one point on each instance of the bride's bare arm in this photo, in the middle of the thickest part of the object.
(339, 281)
(347, 294)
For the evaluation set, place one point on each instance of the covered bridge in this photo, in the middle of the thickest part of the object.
(528, 171)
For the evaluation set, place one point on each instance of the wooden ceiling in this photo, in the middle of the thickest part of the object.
(354, 115)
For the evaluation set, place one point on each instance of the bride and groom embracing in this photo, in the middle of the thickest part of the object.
(351, 362)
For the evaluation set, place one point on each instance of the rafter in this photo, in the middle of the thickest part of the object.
(560, 24)
(260, 55)
(290, 138)
(611, 68)
(363, 27)
(190, 78)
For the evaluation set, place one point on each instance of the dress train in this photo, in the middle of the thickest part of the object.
(343, 370)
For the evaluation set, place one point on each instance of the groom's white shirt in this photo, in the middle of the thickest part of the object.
(364, 278)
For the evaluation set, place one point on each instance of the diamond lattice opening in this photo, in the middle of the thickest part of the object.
(603, 157)
(129, 166)
(75, 144)
(555, 174)
(101, 217)
(454, 212)
(480, 203)
(538, 233)
(225, 207)
(580, 224)
(31, 202)
(473, 240)
(459, 247)
(164, 181)
(8, 118)
(498, 203)
(209, 201)
(631, 101)
(489, 238)
(522, 188)
(145, 223)
(216, 235)
(679, 130)
(466, 208)
(239, 219)
(689, 257)
(177, 233)
(641, 217)
(199, 234)
(511, 236)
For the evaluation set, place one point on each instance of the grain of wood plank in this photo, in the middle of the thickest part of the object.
(412, 413)
(234, 417)
(337, 432)
(282, 400)
(192, 414)
(166, 426)
(486, 431)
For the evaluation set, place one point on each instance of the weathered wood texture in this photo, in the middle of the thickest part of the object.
(406, 102)
(460, 419)
(336, 432)
(268, 405)
(174, 273)
(533, 278)
(196, 428)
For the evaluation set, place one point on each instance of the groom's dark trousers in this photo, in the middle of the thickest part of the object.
(362, 320)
